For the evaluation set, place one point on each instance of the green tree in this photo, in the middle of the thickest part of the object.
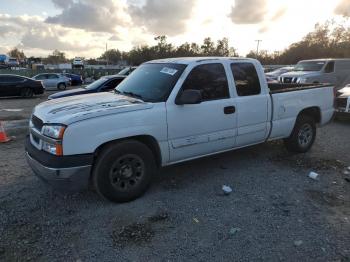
(208, 47)
(16, 53)
(112, 56)
(56, 57)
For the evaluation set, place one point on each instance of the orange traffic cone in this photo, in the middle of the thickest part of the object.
(3, 137)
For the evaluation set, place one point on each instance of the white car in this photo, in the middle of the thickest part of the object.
(331, 71)
(343, 101)
(78, 62)
(168, 111)
(53, 81)
(273, 75)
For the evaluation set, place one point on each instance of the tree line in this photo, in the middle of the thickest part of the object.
(326, 40)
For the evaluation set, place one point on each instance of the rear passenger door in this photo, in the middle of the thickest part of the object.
(252, 104)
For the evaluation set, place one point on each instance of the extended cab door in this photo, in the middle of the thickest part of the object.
(210, 126)
(253, 103)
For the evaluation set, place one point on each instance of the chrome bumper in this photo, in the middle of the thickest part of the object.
(70, 179)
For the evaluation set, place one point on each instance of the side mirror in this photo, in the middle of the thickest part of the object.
(189, 97)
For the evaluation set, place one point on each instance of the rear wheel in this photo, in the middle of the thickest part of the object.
(123, 171)
(61, 86)
(303, 135)
(27, 92)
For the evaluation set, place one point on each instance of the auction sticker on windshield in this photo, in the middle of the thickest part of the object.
(169, 71)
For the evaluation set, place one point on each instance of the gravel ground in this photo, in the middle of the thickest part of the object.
(275, 212)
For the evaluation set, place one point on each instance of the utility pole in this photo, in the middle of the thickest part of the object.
(257, 47)
(106, 54)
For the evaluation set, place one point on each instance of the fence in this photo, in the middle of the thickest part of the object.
(85, 73)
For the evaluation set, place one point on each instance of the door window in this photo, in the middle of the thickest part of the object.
(210, 80)
(246, 79)
(52, 77)
(40, 77)
(329, 67)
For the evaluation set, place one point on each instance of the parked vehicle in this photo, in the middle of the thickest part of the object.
(343, 102)
(12, 62)
(4, 61)
(332, 71)
(169, 111)
(273, 75)
(127, 71)
(53, 80)
(76, 80)
(78, 62)
(15, 85)
(104, 84)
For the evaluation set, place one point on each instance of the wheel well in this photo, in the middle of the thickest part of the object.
(61, 83)
(149, 141)
(313, 112)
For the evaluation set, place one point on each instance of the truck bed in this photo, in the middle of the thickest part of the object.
(282, 88)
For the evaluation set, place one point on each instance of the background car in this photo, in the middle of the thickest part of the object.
(273, 75)
(15, 85)
(342, 102)
(76, 80)
(53, 80)
(127, 71)
(104, 84)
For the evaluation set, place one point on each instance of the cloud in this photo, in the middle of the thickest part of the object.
(343, 8)
(162, 17)
(114, 38)
(31, 32)
(62, 3)
(279, 14)
(89, 15)
(248, 11)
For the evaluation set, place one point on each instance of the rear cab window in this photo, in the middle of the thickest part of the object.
(246, 79)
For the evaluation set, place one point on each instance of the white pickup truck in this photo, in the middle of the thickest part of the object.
(168, 111)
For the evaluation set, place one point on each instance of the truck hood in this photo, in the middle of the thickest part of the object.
(68, 110)
(301, 74)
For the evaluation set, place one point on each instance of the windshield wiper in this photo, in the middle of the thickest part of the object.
(129, 94)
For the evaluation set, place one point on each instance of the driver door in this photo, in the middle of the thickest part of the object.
(207, 127)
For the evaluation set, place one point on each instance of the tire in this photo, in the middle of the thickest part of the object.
(123, 171)
(27, 92)
(303, 135)
(61, 86)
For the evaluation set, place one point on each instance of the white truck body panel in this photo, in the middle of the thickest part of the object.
(183, 132)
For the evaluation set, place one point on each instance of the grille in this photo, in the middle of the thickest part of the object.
(37, 122)
(287, 80)
(341, 102)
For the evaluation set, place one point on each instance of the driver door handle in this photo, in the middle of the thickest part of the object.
(229, 110)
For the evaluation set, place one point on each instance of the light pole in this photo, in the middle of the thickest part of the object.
(257, 47)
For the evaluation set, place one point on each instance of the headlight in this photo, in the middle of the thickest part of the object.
(54, 131)
(53, 148)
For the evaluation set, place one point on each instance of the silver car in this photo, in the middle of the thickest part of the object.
(53, 81)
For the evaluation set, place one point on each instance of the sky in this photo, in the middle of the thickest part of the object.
(84, 27)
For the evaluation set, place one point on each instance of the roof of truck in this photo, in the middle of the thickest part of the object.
(326, 59)
(190, 60)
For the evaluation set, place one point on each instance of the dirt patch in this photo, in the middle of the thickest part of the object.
(325, 198)
(137, 233)
(303, 161)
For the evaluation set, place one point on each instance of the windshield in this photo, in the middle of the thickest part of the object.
(96, 84)
(310, 66)
(151, 82)
(124, 71)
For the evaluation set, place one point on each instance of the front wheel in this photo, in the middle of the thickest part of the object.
(61, 86)
(27, 93)
(123, 171)
(303, 135)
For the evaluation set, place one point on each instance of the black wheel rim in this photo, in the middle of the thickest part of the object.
(127, 172)
(305, 135)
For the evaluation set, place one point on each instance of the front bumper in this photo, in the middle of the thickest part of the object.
(70, 174)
